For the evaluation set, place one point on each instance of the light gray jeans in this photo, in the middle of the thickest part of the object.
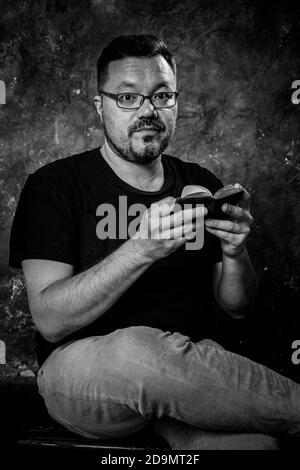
(111, 386)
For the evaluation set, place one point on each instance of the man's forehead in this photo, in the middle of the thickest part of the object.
(130, 71)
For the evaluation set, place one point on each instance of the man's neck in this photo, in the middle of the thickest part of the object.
(148, 177)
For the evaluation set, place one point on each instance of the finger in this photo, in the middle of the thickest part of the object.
(179, 231)
(168, 200)
(191, 213)
(228, 226)
(169, 206)
(237, 213)
(163, 207)
(173, 233)
(185, 216)
(245, 200)
(232, 238)
(188, 231)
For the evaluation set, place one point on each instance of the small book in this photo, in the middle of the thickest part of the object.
(194, 194)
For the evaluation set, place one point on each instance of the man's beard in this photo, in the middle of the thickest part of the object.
(152, 149)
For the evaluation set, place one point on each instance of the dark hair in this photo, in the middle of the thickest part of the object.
(143, 45)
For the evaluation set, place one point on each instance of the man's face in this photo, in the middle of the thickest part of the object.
(138, 135)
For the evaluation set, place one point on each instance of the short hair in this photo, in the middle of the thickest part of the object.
(142, 45)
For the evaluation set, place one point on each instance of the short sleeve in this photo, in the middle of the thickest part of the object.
(43, 226)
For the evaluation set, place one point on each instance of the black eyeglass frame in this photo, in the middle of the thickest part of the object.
(114, 96)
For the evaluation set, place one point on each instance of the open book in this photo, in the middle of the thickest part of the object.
(194, 194)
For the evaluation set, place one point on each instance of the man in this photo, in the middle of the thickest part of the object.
(122, 319)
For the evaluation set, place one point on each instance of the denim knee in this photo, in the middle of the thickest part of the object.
(146, 344)
(134, 343)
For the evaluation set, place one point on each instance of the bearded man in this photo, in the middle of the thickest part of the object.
(123, 321)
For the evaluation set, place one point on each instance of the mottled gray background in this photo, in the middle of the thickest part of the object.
(236, 63)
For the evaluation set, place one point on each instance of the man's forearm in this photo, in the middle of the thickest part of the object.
(238, 284)
(70, 304)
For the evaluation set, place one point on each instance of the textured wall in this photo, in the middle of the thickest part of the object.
(236, 62)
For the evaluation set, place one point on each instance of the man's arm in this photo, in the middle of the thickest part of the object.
(61, 303)
(235, 284)
(234, 279)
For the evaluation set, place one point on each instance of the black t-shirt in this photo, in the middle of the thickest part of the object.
(56, 219)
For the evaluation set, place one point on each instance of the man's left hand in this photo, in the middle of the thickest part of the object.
(233, 232)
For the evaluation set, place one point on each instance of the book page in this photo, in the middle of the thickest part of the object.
(195, 190)
(227, 191)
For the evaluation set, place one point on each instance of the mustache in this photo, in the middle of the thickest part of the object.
(145, 124)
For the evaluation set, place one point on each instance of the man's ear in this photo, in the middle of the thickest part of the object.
(98, 104)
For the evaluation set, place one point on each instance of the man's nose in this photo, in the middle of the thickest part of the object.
(147, 109)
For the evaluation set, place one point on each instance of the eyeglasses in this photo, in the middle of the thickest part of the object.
(164, 99)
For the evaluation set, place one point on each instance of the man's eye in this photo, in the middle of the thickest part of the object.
(162, 96)
(127, 98)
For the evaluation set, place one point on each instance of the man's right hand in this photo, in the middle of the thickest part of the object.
(164, 227)
(62, 302)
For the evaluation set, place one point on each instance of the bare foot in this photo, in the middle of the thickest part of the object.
(182, 436)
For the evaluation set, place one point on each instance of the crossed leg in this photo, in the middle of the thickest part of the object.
(113, 385)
